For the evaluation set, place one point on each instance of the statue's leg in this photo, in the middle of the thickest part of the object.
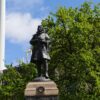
(39, 69)
(46, 68)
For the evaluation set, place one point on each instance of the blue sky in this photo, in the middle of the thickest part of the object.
(22, 19)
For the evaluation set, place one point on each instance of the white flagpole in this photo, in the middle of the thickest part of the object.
(2, 35)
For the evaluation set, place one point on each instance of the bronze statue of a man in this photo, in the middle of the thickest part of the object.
(40, 42)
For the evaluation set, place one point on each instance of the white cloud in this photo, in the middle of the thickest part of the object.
(20, 27)
(44, 8)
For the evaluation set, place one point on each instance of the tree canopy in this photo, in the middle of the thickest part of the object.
(75, 52)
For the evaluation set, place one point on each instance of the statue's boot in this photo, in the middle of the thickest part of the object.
(46, 75)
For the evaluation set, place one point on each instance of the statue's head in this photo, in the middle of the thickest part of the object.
(40, 28)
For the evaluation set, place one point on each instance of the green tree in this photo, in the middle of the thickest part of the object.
(12, 85)
(14, 81)
(27, 71)
(75, 52)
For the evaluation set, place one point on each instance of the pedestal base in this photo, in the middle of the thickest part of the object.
(42, 98)
(41, 91)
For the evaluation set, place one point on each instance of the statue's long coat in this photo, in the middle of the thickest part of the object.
(40, 47)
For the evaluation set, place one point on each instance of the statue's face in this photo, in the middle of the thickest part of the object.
(40, 28)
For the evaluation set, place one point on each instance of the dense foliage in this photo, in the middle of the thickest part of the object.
(14, 81)
(75, 56)
(75, 51)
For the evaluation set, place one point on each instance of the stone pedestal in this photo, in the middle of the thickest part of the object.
(41, 91)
